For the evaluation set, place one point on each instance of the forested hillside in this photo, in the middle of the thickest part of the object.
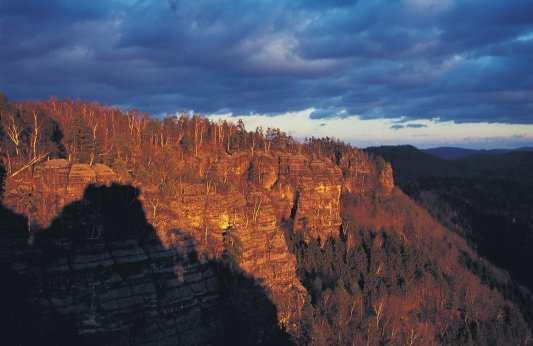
(120, 228)
(486, 198)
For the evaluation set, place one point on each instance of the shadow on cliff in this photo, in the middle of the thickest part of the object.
(20, 317)
(83, 305)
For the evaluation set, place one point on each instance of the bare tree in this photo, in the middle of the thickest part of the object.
(35, 134)
(14, 132)
(93, 152)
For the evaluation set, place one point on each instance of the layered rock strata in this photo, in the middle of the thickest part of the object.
(165, 282)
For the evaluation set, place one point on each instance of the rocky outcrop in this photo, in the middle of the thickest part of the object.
(101, 266)
(312, 189)
(246, 225)
(41, 194)
(363, 175)
(235, 208)
(386, 179)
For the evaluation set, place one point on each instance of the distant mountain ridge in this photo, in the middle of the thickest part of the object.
(453, 153)
(410, 164)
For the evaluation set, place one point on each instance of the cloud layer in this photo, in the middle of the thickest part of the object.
(389, 131)
(463, 61)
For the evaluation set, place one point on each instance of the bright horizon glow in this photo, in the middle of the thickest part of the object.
(423, 133)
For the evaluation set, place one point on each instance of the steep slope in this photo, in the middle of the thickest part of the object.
(410, 279)
(394, 276)
(488, 202)
(451, 153)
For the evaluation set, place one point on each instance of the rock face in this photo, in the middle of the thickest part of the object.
(312, 188)
(102, 267)
(386, 179)
(135, 291)
(108, 283)
(246, 226)
(363, 176)
(53, 184)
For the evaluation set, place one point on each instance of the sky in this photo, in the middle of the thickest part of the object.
(424, 72)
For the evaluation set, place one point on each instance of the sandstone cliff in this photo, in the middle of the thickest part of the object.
(103, 284)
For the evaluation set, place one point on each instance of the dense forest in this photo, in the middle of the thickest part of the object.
(301, 243)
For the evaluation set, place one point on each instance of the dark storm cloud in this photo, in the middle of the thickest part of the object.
(407, 126)
(416, 59)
